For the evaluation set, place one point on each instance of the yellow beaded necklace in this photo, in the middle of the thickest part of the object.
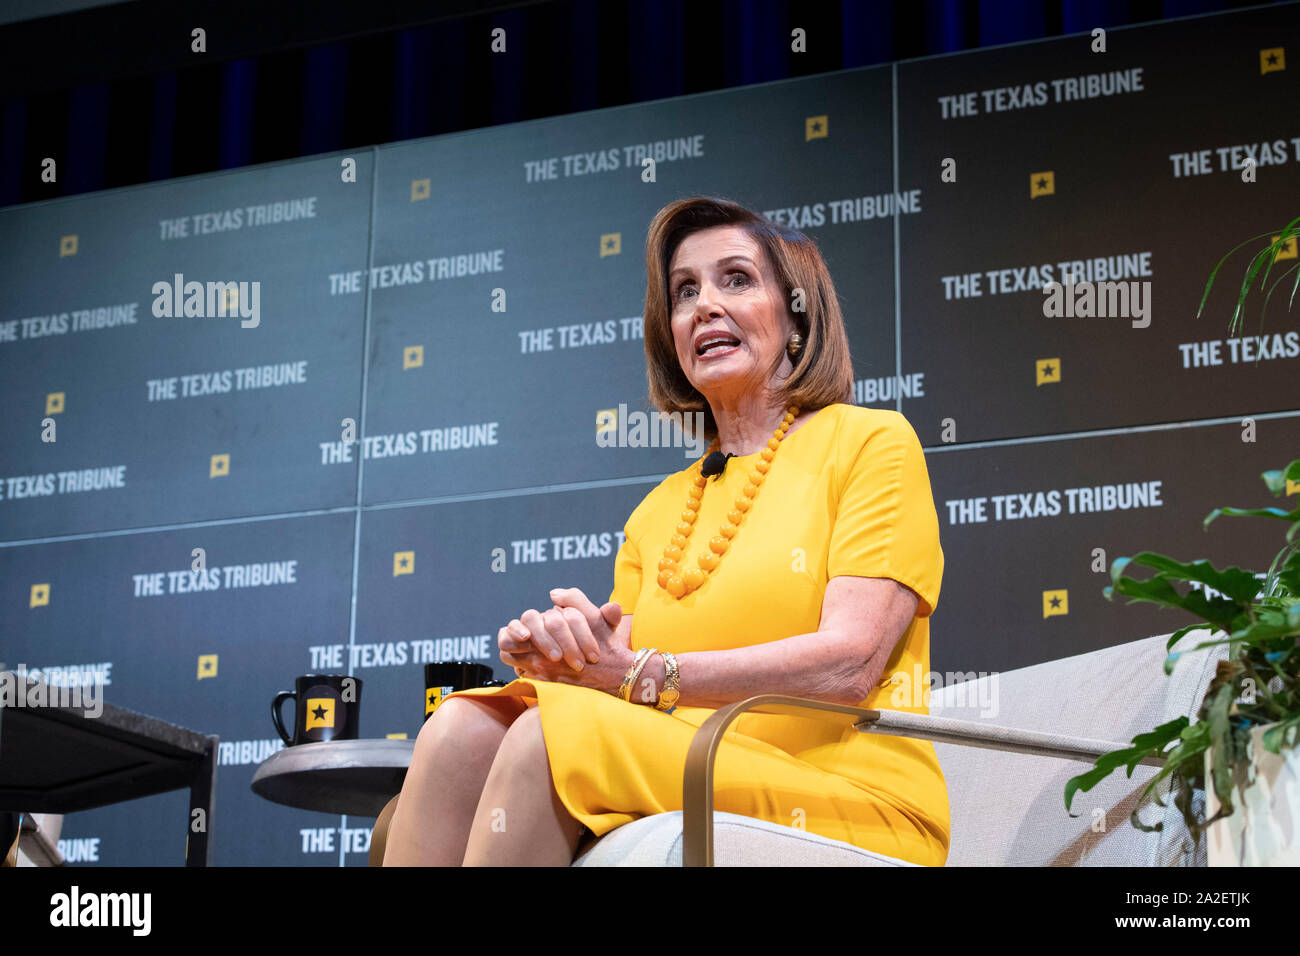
(679, 583)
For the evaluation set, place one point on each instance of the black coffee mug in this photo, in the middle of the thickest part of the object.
(328, 708)
(446, 677)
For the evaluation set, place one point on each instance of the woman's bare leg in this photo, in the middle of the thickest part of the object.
(520, 819)
(453, 754)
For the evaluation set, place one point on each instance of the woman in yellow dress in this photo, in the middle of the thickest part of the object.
(809, 566)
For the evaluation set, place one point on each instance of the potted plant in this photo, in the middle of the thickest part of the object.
(1248, 723)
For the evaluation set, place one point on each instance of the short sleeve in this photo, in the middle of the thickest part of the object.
(627, 575)
(886, 525)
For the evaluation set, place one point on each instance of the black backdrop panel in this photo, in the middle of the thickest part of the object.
(265, 396)
(1122, 194)
(1048, 506)
(207, 651)
(568, 343)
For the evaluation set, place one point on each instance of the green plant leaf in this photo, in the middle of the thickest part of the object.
(1144, 745)
(1256, 263)
(1288, 574)
(1283, 734)
(1237, 585)
(1220, 749)
(1276, 480)
(1252, 513)
(1218, 265)
(1195, 739)
(1221, 612)
(1270, 623)
(1268, 256)
(1263, 259)
(1263, 310)
(1175, 637)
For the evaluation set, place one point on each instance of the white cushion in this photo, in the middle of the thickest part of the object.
(737, 841)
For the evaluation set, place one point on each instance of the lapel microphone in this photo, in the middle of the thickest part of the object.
(714, 464)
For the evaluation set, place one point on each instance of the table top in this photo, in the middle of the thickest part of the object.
(356, 777)
(63, 759)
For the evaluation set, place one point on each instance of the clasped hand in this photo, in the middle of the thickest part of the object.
(574, 642)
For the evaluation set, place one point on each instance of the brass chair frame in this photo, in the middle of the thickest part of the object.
(697, 783)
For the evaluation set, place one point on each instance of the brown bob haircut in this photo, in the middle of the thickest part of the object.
(823, 372)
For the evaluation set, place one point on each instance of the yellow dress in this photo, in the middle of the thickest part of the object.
(848, 494)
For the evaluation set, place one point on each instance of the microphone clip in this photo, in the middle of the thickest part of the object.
(714, 464)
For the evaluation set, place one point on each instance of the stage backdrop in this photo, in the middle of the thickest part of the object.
(414, 403)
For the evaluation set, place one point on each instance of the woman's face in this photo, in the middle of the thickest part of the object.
(728, 314)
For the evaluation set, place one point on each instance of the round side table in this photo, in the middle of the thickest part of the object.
(356, 777)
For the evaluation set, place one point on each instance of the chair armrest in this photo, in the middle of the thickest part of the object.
(697, 783)
(36, 845)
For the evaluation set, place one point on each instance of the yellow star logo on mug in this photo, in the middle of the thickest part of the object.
(320, 712)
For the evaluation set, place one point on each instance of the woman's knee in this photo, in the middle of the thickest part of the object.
(524, 736)
(467, 722)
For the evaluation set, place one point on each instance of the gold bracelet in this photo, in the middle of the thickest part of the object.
(625, 689)
(637, 673)
(672, 683)
(627, 678)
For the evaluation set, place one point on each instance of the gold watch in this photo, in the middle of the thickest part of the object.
(668, 696)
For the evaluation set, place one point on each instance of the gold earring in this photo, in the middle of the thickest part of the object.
(794, 346)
